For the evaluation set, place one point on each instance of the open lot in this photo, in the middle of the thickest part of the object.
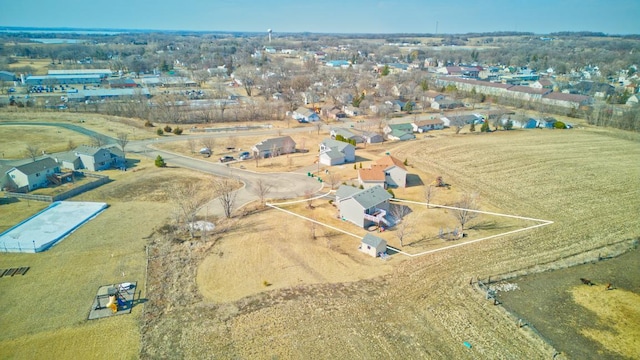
(583, 180)
(207, 297)
(45, 310)
(582, 320)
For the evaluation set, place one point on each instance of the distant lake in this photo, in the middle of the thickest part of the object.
(58, 41)
(78, 32)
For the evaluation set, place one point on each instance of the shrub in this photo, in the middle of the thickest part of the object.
(160, 161)
(406, 162)
(167, 129)
(391, 193)
(159, 132)
(361, 187)
(485, 126)
(360, 165)
(177, 131)
(508, 125)
(148, 124)
(559, 125)
(265, 283)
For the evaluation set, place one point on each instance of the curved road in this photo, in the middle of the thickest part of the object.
(283, 185)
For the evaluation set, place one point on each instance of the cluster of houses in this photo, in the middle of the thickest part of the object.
(54, 168)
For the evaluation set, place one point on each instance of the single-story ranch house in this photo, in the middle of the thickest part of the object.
(274, 147)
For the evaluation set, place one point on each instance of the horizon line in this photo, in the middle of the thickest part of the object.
(125, 30)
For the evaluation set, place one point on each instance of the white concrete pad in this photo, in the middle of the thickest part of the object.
(49, 226)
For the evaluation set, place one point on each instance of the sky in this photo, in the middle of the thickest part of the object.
(330, 16)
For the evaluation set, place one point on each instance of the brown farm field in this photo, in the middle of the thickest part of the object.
(260, 286)
(423, 307)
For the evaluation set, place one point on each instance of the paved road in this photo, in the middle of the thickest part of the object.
(283, 185)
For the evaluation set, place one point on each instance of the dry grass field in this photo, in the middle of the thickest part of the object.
(45, 311)
(207, 297)
(53, 139)
(583, 180)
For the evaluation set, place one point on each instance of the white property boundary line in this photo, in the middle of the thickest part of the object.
(542, 223)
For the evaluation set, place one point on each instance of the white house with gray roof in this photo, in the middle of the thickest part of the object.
(274, 147)
(302, 114)
(91, 158)
(363, 207)
(94, 158)
(334, 152)
(32, 175)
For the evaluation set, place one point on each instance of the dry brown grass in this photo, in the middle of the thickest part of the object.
(586, 181)
(45, 310)
(563, 176)
(618, 316)
(48, 139)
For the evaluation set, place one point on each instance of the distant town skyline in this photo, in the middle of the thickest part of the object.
(613, 17)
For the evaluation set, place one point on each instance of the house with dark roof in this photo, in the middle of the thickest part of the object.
(274, 147)
(334, 152)
(363, 207)
(32, 175)
(122, 83)
(567, 100)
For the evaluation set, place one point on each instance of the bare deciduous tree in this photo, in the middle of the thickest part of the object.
(429, 192)
(224, 189)
(466, 209)
(208, 142)
(123, 140)
(334, 180)
(308, 195)
(262, 189)
(318, 125)
(98, 140)
(192, 145)
(404, 226)
(188, 199)
(32, 151)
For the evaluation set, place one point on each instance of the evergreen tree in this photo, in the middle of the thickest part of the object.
(160, 162)
(485, 126)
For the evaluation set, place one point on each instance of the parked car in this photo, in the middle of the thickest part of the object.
(226, 158)
(244, 155)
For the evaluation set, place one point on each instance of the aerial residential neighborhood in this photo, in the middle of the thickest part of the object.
(395, 186)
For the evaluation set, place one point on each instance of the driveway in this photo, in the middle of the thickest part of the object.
(283, 185)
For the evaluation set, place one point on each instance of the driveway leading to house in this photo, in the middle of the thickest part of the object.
(283, 185)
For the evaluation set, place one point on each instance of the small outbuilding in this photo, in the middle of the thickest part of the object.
(373, 245)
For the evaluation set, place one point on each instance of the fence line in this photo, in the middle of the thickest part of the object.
(102, 179)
